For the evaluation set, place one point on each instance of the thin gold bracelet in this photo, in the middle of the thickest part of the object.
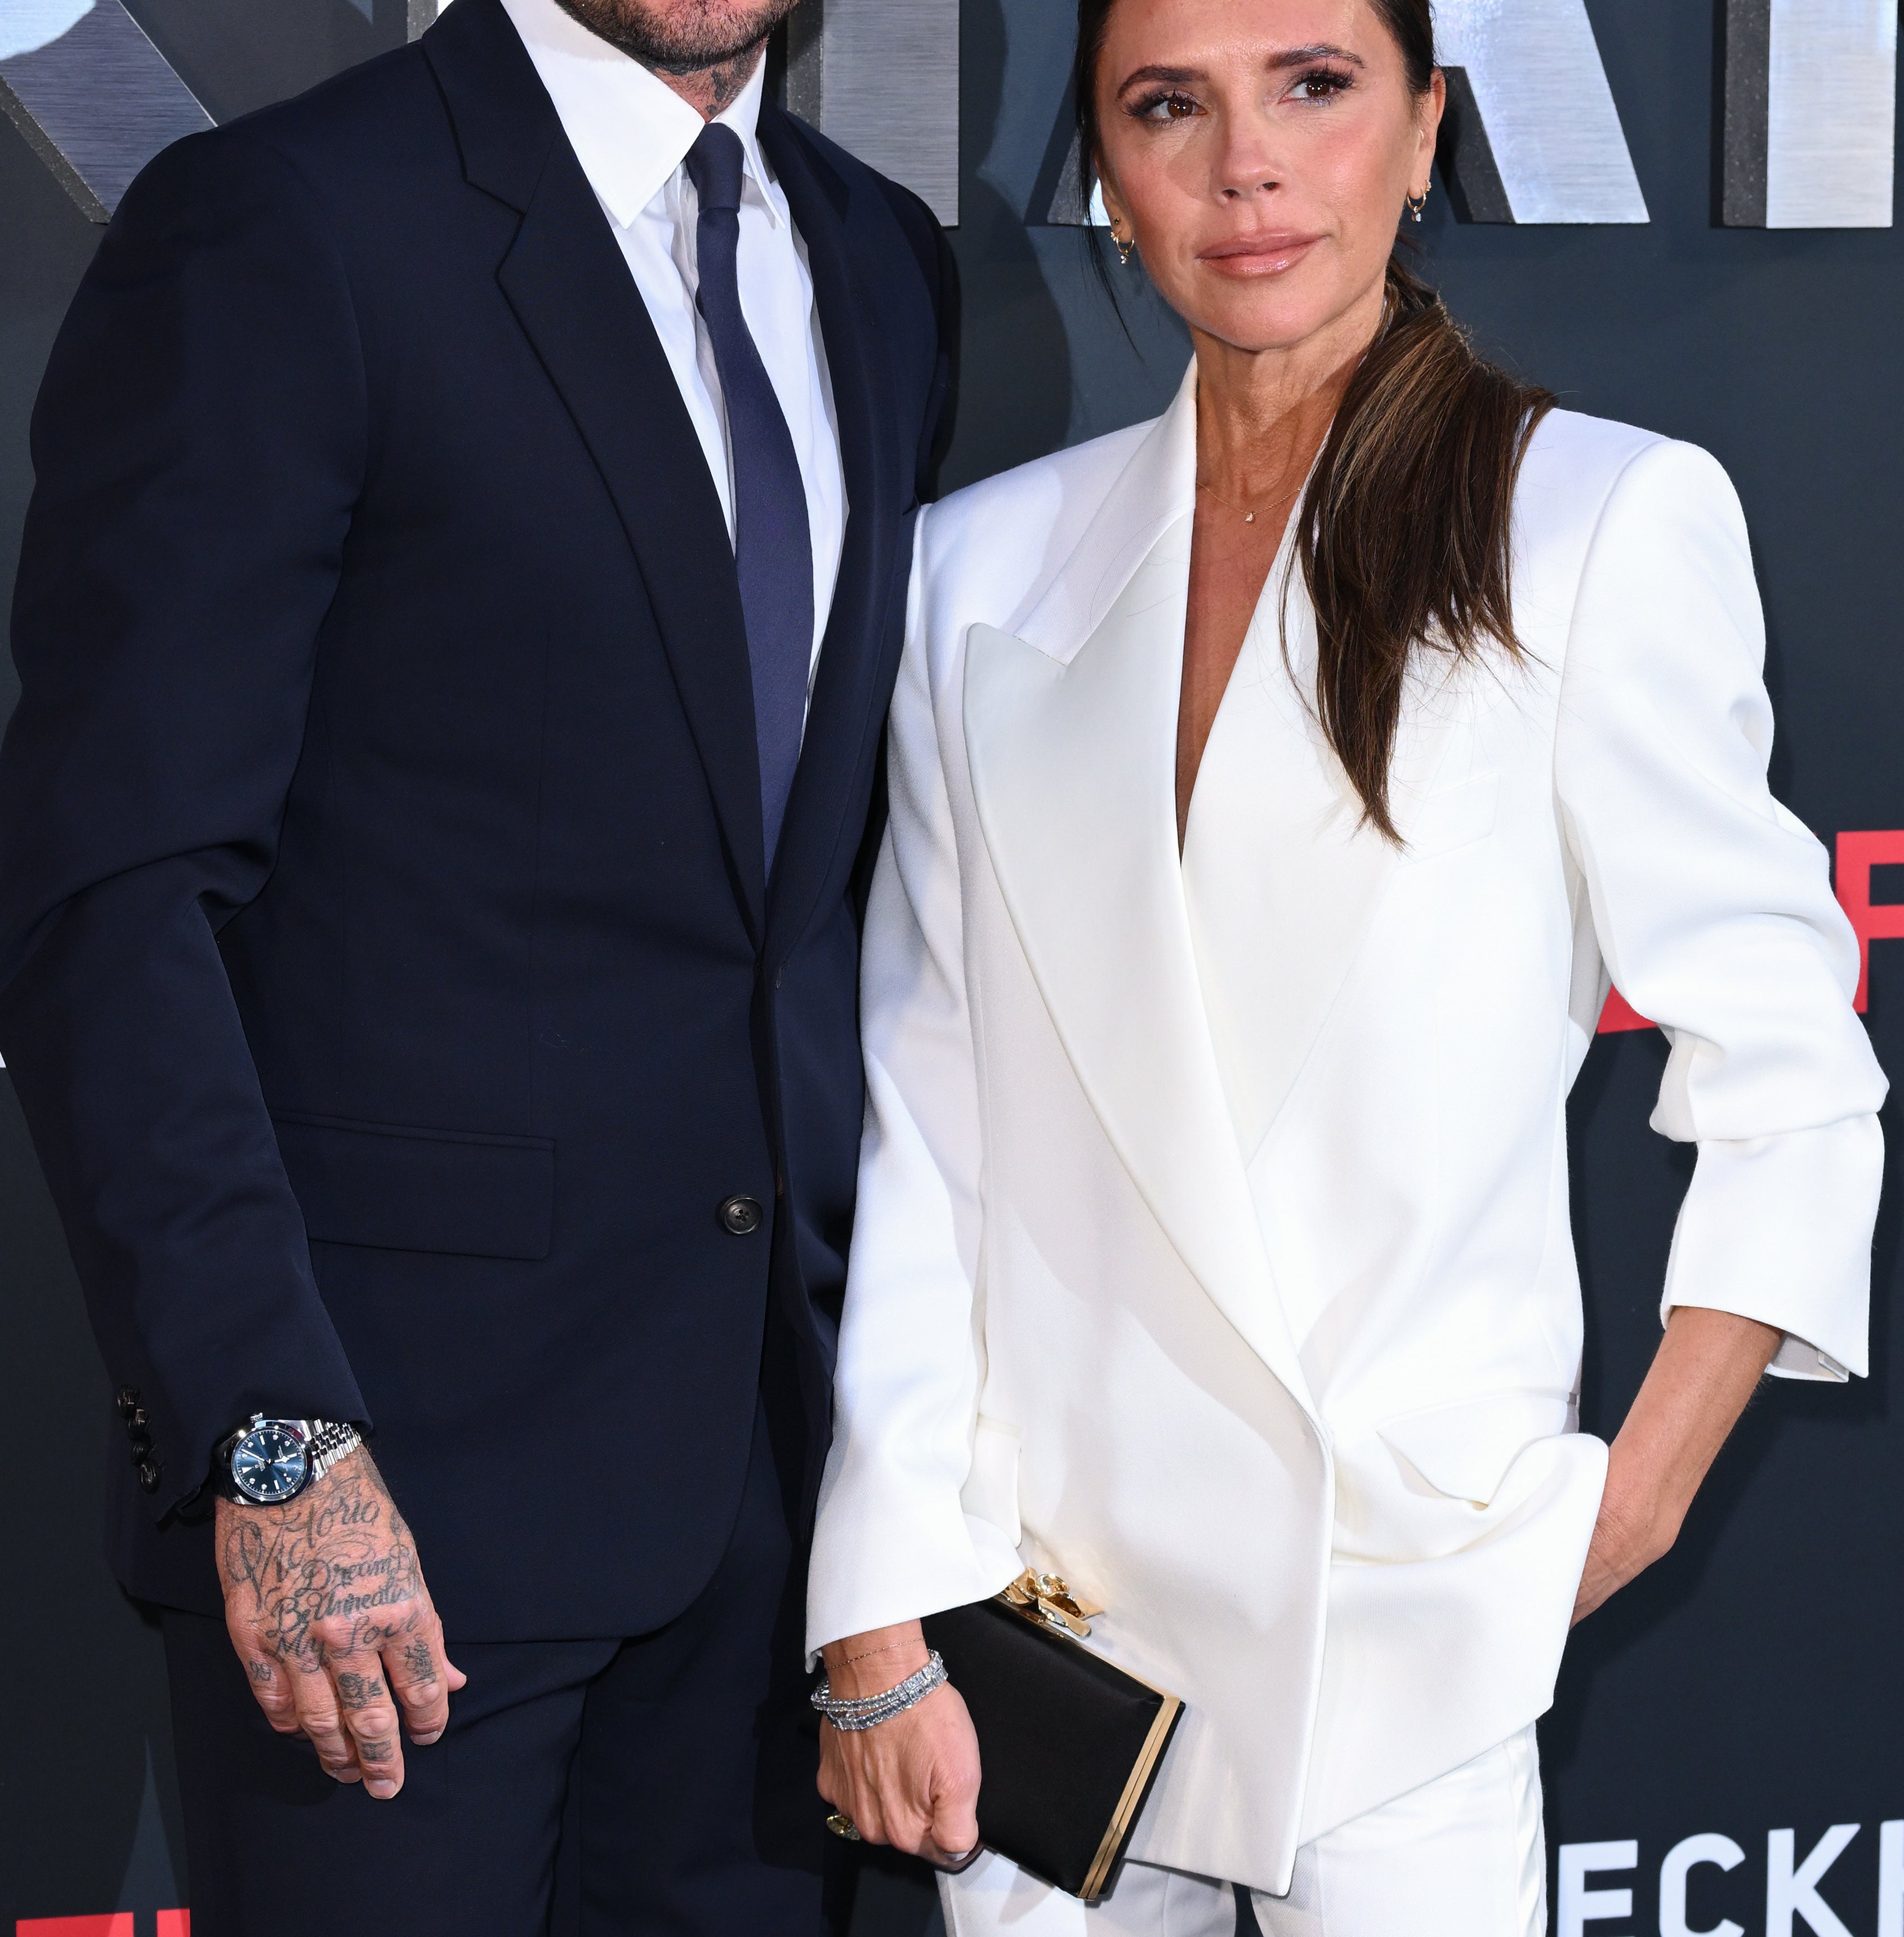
(884, 1648)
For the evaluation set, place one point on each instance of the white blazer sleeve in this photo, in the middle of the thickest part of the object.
(1713, 909)
(893, 1541)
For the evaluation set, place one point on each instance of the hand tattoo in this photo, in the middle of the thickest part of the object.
(341, 1554)
(358, 1691)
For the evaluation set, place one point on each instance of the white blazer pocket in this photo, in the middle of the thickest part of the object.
(1465, 1449)
(1450, 818)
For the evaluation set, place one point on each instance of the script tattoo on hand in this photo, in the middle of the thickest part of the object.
(326, 1606)
(341, 1555)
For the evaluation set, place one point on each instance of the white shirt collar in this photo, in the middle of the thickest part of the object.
(629, 129)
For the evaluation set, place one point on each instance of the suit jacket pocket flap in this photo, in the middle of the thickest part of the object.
(1451, 818)
(405, 1190)
(1464, 1450)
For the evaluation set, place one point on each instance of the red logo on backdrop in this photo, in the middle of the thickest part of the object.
(114, 1923)
(1872, 921)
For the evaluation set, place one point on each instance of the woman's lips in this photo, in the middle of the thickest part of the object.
(1259, 255)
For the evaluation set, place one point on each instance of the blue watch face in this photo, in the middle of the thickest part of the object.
(269, 1463)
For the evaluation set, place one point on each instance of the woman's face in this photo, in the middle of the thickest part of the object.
(1259, 152)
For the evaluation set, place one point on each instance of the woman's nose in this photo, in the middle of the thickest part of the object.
(1246, 167)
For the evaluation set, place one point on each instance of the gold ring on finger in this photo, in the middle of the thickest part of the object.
(843, 1826)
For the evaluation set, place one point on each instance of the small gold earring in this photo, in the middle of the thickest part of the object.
(1415, 204)
(1124, 249)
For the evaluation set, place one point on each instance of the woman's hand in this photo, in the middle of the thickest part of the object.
(1629, 1536)
(1707, 1365)
(913, 1781)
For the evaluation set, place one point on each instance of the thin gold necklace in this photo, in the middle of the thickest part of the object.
(1248, 517)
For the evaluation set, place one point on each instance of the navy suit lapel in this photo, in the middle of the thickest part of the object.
(843, 724)
(566, 279)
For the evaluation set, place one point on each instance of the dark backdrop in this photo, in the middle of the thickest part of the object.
(1750, 1684)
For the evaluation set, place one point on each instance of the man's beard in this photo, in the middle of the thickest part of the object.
(709, 34)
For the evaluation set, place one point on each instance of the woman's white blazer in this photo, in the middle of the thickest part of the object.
(1212, 1247)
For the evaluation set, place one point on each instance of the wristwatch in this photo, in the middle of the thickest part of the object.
(268, 1461)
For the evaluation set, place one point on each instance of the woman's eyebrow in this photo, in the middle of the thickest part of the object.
(1319, 50)
(1168, 77)
(1285, 57)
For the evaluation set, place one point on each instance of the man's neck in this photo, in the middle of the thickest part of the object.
(710, 90)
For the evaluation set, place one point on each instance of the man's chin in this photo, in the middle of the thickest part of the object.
(675, 38)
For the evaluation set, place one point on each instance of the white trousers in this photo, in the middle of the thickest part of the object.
(1463, 1856)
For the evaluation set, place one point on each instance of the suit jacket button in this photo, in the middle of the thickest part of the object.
(127, 1400)
(743, 1216)
(149, 1472)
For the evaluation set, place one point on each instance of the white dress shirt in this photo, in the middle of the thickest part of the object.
(631, 133)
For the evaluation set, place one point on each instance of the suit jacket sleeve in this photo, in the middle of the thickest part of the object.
(1713, 910)
(893, 1540)
(198, 443)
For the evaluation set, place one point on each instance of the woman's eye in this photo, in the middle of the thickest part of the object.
(1322, 83)
(1166, 108)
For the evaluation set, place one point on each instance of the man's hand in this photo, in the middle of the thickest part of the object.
(327, 1608)
(1708, 1364)
(913, 1781)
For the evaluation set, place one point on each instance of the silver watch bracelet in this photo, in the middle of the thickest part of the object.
(867, 1711)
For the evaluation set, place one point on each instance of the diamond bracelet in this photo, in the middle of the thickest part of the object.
(868, 1711)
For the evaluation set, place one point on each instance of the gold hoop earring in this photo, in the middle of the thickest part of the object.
(1124, 249)
(1415, 204)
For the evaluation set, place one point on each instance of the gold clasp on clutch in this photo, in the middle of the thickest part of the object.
(1045, 1598)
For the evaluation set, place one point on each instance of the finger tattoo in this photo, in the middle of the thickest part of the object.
(358, 1691)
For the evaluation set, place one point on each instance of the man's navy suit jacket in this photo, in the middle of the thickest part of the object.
(388, 968)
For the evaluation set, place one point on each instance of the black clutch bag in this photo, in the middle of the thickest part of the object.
(1069, 1745)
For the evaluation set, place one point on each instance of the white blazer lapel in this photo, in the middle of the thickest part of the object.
(1153, 490)
(1073, 767)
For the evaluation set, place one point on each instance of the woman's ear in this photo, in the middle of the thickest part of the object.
(1429, 108)
(1114, 208)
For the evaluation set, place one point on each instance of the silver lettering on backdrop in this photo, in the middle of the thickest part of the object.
(1811, 109)
(94, 98)
(881, 78)
(1533, 135)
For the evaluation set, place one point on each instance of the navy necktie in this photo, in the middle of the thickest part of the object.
(773, 543)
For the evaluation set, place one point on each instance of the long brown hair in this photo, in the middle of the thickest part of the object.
(1405, 533)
